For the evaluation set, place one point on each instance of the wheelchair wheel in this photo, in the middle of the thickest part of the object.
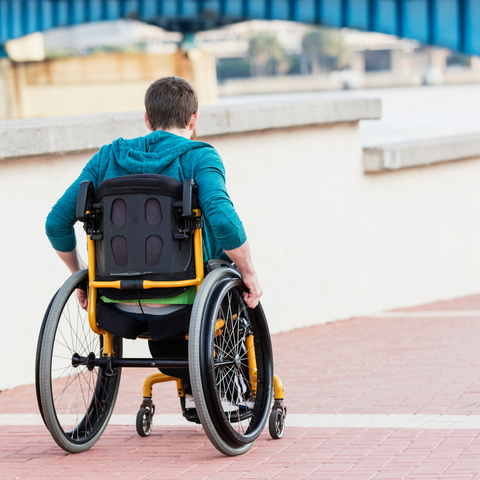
(276, 425)
(76, 400)
(232, 407)
(144, 422)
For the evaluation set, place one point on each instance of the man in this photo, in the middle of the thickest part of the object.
(170, 149)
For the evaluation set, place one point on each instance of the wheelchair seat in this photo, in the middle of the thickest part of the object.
(144, 241)
(153, 327)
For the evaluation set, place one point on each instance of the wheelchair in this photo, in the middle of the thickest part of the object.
(144, 242)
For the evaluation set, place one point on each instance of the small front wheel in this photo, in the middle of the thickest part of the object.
(276, 425)
(144, 422)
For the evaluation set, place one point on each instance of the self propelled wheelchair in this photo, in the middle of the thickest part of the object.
(144, 241)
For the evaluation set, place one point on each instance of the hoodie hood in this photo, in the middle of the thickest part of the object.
(152, 153)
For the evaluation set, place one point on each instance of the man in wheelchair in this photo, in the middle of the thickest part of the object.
(156, 211)
(170, 149)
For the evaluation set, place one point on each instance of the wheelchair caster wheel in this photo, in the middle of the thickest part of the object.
(276, 424)
(144, 422)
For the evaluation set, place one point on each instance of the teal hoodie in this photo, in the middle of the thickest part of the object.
(167, 154)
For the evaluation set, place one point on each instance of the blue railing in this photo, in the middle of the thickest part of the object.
(454, 24)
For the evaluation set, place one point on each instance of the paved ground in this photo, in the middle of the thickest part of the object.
(353, 389)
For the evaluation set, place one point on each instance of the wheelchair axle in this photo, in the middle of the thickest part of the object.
(112, 362)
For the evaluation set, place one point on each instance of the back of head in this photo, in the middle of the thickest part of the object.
(170, 102)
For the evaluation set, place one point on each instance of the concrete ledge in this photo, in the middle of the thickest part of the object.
(52, 136)
(418, 153)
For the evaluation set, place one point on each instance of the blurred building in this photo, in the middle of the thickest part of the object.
(121, 35)
(95, 68)
(375, 60)
(107, 66)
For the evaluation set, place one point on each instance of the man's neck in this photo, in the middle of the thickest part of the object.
(181, 132)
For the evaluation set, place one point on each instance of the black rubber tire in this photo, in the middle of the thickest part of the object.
(217, 424)
(37, 357)
(275, 425)
(144, 422)
(76, 419)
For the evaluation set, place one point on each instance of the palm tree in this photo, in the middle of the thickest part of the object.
(325, 49)
(265, 51)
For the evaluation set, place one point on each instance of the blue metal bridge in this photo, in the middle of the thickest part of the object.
(454, 24)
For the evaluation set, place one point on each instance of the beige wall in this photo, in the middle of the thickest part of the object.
(58, 100)
(332, 242)
(329, 241)
(28, 189)
(98, 83)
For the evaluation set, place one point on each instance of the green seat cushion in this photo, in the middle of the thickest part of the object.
(185, 298)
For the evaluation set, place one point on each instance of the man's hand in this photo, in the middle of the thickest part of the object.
(82, 298)
(241, 258)
(252, 297)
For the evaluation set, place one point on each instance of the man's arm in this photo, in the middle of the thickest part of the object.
(74, 262)
(61, 219)
(226, 227)
(241, 258)
(224, 221)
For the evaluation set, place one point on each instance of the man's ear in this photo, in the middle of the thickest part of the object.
(147, 122)
(193, 121)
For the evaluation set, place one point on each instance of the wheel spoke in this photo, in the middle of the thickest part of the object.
(64, 369)
(97, 401)
(64, 344)
(63, 391)
(100, 381)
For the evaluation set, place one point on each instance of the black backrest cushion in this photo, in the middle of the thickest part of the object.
(138, 225)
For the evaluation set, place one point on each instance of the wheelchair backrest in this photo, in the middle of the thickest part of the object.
(141, 229)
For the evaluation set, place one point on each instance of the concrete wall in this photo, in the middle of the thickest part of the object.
(334, 242)
(329, 241)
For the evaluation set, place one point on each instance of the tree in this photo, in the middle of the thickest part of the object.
(325, 49)
(266, 55)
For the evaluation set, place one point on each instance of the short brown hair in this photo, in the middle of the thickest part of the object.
(170, 102)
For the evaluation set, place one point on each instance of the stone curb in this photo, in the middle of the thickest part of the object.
(419, 153)
(60, 135)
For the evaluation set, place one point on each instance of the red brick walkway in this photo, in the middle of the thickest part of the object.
(402, 365)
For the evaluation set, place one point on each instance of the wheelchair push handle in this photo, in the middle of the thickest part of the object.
(187, 207)
(86, 196)
(189, 200)
(88, 212)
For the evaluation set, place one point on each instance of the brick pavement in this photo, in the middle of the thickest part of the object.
(400, 365)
